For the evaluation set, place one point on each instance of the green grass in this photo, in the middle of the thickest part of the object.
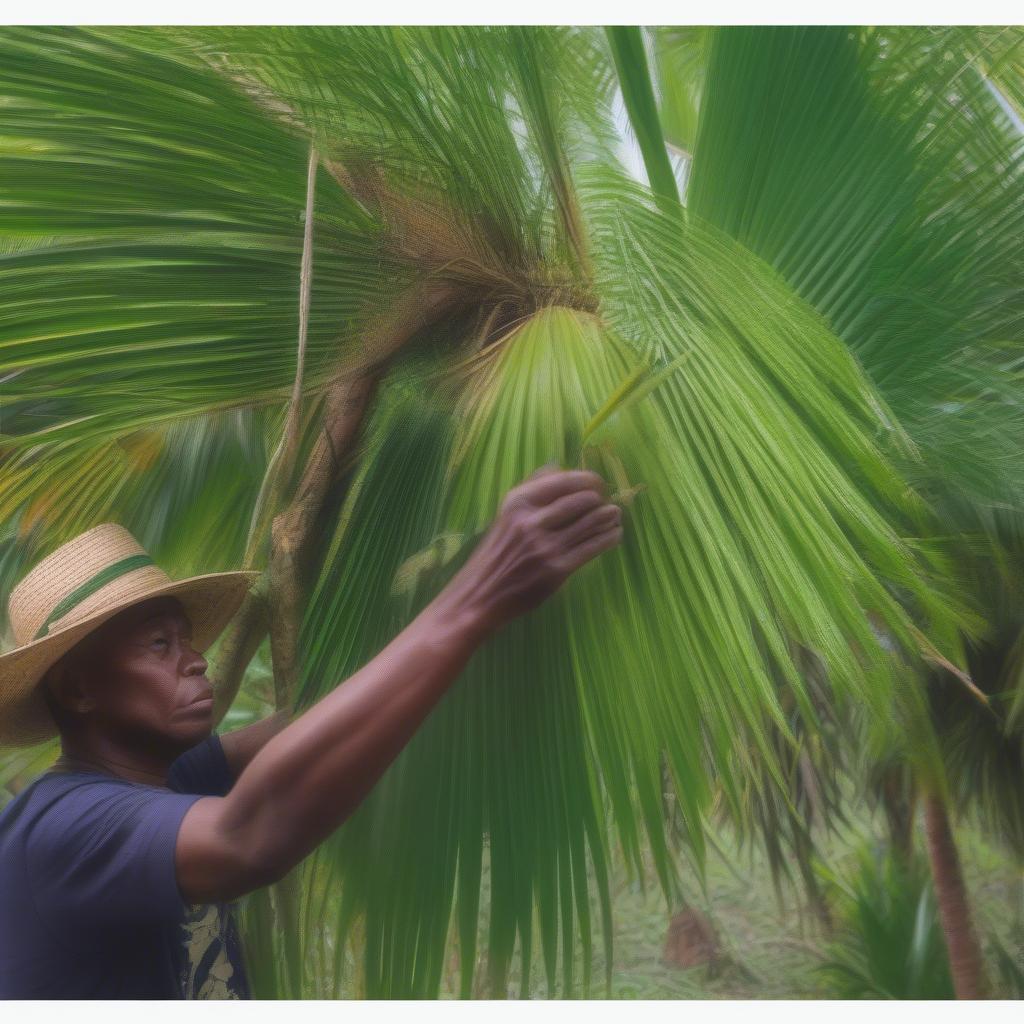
(770, 952)
(776, 952)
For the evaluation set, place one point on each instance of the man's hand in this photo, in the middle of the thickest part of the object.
(546, 528)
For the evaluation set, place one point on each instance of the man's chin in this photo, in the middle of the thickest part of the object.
(186, 734)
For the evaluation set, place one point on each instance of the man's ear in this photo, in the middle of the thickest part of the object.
(67, 685)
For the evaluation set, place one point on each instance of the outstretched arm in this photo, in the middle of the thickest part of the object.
(313, 774)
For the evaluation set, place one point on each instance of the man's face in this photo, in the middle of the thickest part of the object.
(144, 680)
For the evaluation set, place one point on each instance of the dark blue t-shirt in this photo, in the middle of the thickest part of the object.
(89, 901)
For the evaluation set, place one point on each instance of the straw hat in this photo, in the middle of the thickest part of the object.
(72, 592)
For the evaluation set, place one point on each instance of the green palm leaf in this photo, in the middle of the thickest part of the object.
(681, 62)
(750, 531)
(627, 48)
(156, 219)
(876, 171)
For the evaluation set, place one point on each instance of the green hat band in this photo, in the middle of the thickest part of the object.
(89, 587)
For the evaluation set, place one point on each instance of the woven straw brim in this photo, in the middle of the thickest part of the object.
(210, 601)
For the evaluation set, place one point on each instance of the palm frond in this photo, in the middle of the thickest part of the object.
(154, 220)
(873, 170)
(761, 522)
(681, 63)
(630, 57)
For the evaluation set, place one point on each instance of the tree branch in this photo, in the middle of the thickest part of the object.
(293, 532)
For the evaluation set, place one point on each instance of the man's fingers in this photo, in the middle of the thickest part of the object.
(595, 521)
(592, 547)
(566, 510)
(521, 495)
(542, 490)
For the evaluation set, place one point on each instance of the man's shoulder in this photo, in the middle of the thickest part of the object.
(53, 790)
(52, 810)
(52, 786)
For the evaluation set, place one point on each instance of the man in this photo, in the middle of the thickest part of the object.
(116, 866)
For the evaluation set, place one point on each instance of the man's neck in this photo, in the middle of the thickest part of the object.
(91, 753)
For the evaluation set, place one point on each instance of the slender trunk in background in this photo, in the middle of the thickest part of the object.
(280, 473)
(238, 647)
(899, 802)
(965, 959)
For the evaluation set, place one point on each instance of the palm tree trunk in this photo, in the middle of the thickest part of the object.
(965, 959)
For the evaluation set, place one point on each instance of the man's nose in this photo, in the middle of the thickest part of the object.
(195, 665)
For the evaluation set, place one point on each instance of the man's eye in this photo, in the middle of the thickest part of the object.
(159, 640)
